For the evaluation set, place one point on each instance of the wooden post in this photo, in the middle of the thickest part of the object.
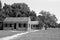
(12, 26)
(22, 25)
(3, 25)
(17, 26)
(28, 26)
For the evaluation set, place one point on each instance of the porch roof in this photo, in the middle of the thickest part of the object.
(34, 22)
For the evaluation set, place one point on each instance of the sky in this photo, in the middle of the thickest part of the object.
(53, 6)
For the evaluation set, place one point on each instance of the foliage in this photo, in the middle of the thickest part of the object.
(48, 19)
(16, 10)
(33, 15)
(58, 25)
(19, 10)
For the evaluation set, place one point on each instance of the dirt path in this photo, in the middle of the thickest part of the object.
(16, 35)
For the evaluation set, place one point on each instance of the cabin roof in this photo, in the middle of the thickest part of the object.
(16, 19)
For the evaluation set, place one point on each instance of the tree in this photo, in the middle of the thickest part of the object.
(0, 5)
(2, 15)
(33, 15)
(48, 19)
(58, 25)
(16, 10)
(19, 10)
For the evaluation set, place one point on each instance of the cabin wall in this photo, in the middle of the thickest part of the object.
(22, 26)
(8, 26)
(15, 26)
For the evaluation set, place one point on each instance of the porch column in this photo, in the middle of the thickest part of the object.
(17, 25)
(22, 25)
(8, 25)
(4, 24)
(12, 26)
(29, 27)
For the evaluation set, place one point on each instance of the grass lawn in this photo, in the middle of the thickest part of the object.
(5, 33)
(49, 34)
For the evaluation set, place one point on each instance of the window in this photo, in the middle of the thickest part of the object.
(34, 25)
(19, 25)
(14, 25)
(25, 25)
(10, 25)
(5, 25)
